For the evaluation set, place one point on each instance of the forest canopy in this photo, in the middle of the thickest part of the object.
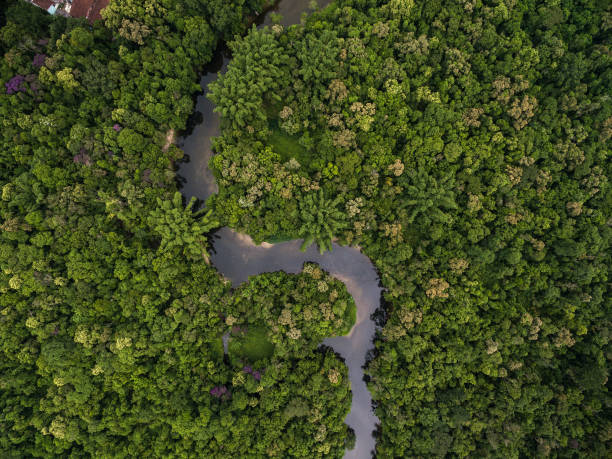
(465, 147)
(111, 318)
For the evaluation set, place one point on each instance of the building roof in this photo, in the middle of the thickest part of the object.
(44, 4)
(88, 9)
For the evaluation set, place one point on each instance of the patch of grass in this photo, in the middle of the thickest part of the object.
(276, 238)
(252, 347)
(350, 316)
(287, 146)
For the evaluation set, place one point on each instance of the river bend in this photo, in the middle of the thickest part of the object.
(237, 257)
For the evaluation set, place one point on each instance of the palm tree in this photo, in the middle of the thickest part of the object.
(428, 197)
(180, 227)
(321, 220)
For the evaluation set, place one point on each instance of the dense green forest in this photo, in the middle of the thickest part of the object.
(111, 318)
(465, 146)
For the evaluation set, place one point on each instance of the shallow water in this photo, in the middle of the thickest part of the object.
(196, 178)
(237, 257)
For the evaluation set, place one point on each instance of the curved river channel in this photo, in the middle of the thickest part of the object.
(237, 257)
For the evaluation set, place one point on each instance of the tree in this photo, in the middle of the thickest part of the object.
(179, 227)
(321, 220)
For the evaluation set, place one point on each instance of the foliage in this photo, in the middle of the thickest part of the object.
(259, 66)
(251, 345)
(321, 220)
(296, 394)
(110, 316)
(297, 311)
(463, 145)
(466, 145)
(177, 228)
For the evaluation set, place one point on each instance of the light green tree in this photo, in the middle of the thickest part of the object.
(179, 227)
(428, 197)
(259, 68)
(321, 220)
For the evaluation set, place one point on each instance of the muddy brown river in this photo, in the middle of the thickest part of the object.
(237, 257)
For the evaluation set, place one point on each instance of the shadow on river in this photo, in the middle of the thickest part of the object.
(237, 257)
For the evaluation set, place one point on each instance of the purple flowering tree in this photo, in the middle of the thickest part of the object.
(39, 60)
(255, 373)
(82, 158)
(220, 392)
(15, 84)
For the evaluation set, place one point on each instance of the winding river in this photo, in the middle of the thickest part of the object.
(237, 257)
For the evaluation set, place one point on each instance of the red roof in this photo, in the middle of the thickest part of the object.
(89, 9)
(44, 4)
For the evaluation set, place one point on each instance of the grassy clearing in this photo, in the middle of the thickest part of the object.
(277, 238)
(252, 347)
(287, 146)
(350, 316)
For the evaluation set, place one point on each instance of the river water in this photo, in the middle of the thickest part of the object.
(237, 257)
